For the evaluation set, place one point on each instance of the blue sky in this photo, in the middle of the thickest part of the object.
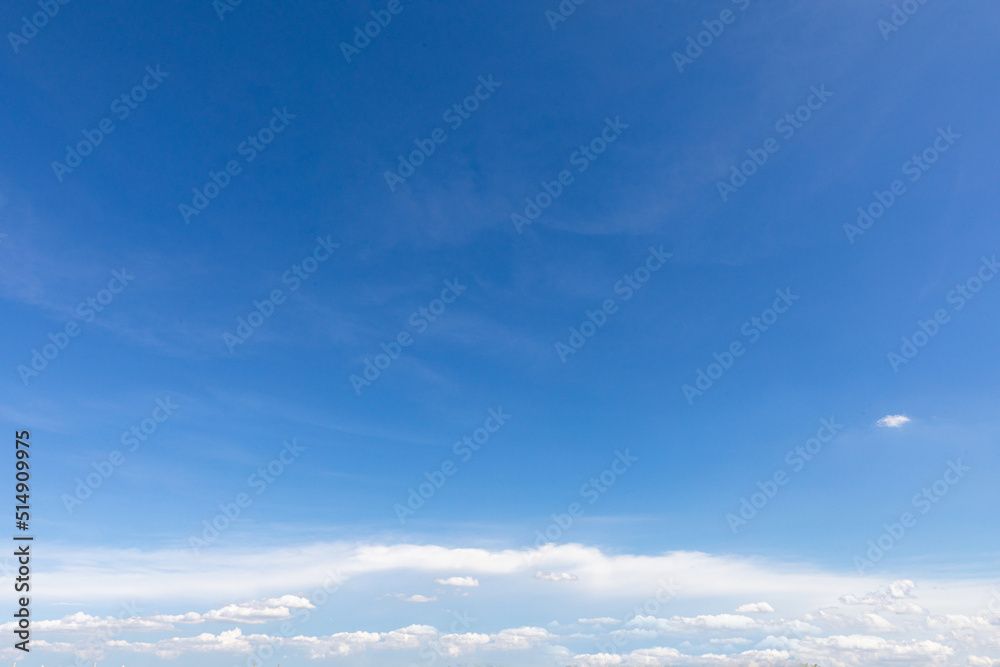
(312, 199)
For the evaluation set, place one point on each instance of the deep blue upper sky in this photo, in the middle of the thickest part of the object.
(495, 346)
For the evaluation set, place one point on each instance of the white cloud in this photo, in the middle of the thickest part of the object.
(869, 649)
(258, 611)
(556, 576)
(81, 622)
(458, 581)
(876, 623)
(89, 576)
(905, 607)
(519, 638)
(338, 644)
(892, 421)
(229, 641)
(604, 620)
(883, 626)
(782, 641)
(407, 598)
(896, 597)
(463, 644)
(958, 622)
(901, 588)
(272, 609)
(841, 650)
(976, 661)
(683, 623)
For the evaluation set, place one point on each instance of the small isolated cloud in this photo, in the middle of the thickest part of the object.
(892, 421)
(604, 620)
(556, 576)
(458, 581)
(755, 608)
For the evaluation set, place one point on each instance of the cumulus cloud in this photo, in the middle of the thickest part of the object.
(895, 597)
(901, 588)
(981, 660)
(458, 581)
(556, 576)
(604, 620)
(892, 421)
(707, 621)
(336, 645)
(843, 650)
(887, 625)
(776, 643)
(871, 649)
(256, 611)
(229, 641)
(81, 622)
(273, 609)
